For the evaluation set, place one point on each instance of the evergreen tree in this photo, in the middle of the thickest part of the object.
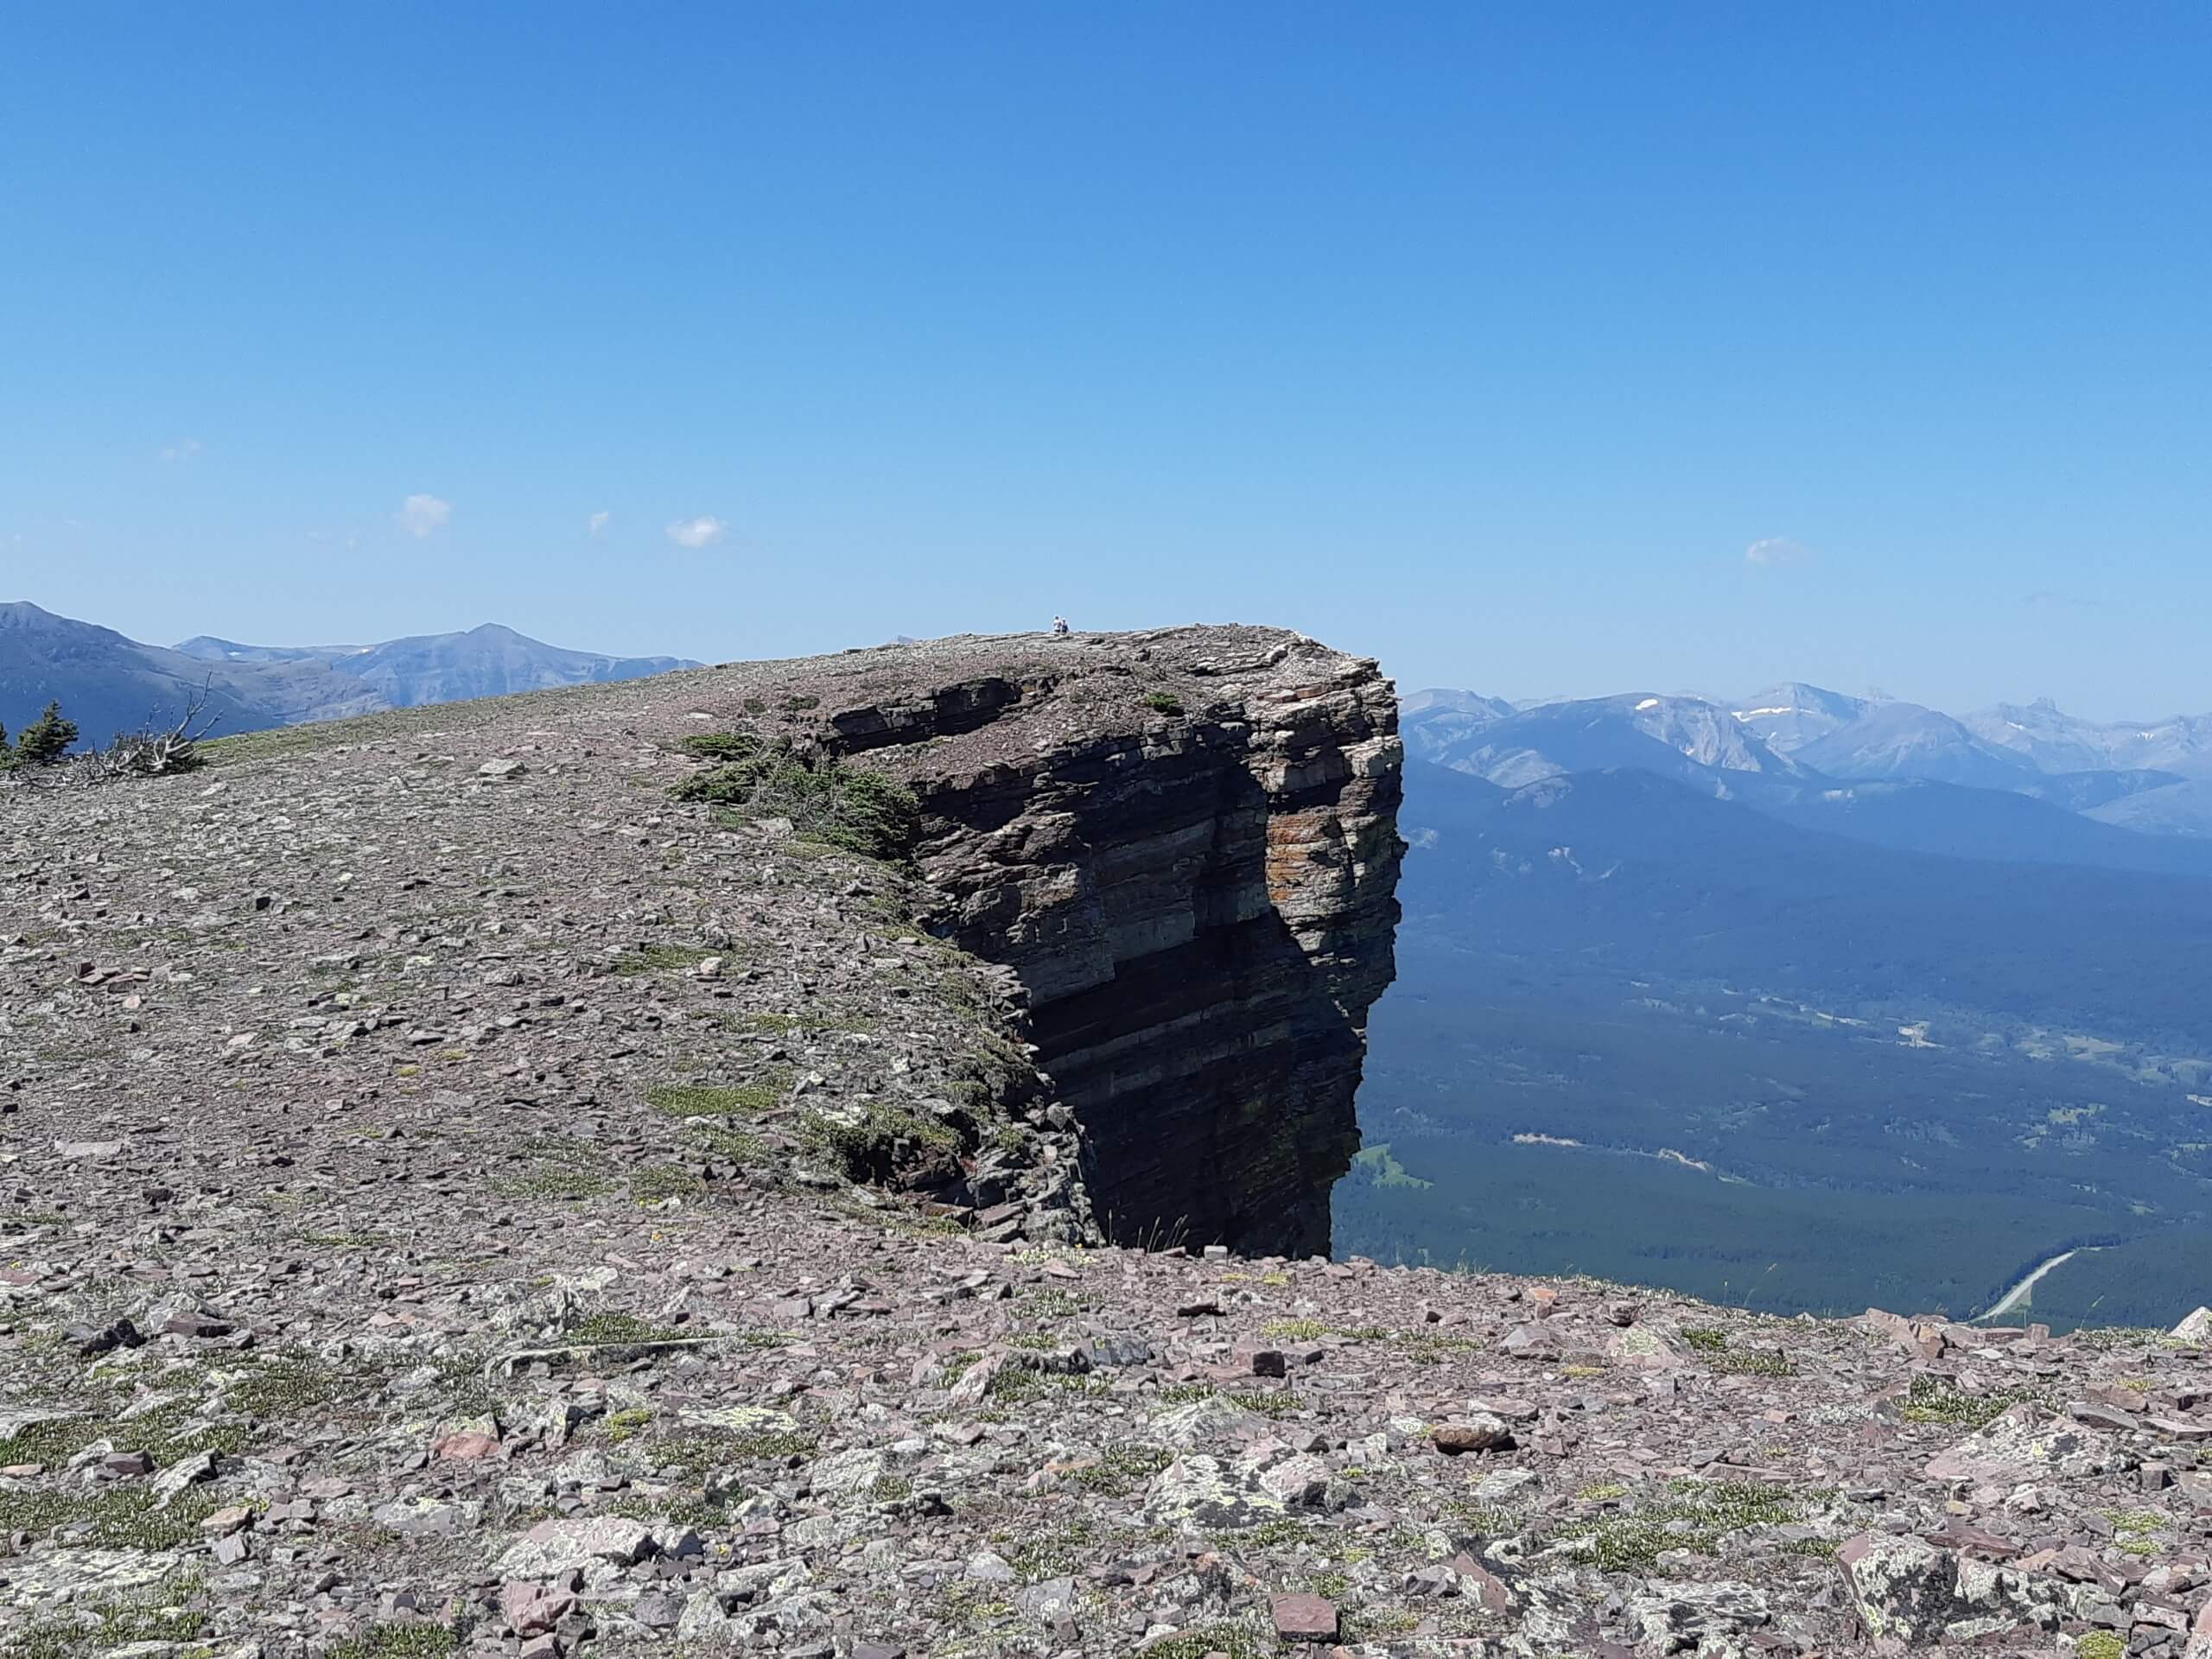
(47, 739)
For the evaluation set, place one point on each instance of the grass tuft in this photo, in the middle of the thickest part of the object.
(659, 959)
(1694, 1515)
(1932, 1399)
(614, 1329)
(846, 807)
(704, 1100)
(1712, 1342)
(651, 1183)
(400, 1641)
(1232, 1640)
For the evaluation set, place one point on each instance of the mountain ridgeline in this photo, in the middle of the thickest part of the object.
(1873, 769)
(1808, 1003)
(109, 683)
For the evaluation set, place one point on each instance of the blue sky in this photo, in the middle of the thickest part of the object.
(1489, 341)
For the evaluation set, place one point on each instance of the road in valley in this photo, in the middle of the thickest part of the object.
(2020, 1290)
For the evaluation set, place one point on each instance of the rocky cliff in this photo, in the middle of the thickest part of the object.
(464, 1197)
(1185, 843)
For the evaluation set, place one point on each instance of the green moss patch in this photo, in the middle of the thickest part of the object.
(1236, 1641)
(709, 1100)
(651, 1183)
(659, 959)
(1693, 1514)
(1932, 1399)
(410, 1641)
(826, 801)
(617, 1329)
(551, 1180)
(1712, 1342)
(885, 1144)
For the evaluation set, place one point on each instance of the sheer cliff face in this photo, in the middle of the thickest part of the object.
(1185, 845)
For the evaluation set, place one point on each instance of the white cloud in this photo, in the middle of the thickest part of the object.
(596, 523)
(420, 514)
(703, 531)
(182, 449)
(1777, 550)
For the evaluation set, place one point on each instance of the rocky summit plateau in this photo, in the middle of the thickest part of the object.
(831, 1159)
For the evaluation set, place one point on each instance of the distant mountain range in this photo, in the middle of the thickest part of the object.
(2020, 783)
(1722, 994)
(1633, 872)
(1649, 1030)
(109, 683)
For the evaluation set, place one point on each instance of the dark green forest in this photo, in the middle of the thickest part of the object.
(2135, 1283)
(1802, 1075)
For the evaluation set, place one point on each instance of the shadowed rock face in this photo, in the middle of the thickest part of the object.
(1185, 845)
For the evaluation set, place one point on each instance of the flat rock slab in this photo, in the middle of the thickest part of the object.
(2024, 1444)
(1303, 1617)
(556, 1547)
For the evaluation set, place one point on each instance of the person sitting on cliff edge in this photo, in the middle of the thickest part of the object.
(1060, 627)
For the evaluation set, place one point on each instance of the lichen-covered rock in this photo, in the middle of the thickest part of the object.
(741, 1419)
(552, 1547)
(1203, 1422)
(1908, 1593)
(2026, 1444)
(1713, 1618)
(845, 1472)
(420, 1516)
(1201, 1493)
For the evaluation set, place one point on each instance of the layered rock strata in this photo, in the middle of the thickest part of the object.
(1185, 845)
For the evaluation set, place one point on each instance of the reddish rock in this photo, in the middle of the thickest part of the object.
(1526, 1342)
(2200, 1633)
(225, 1521)
(1479, 1432)
(1923, 1337)
(1488, 1590)
(467, 1447)
(1303, 1618)
(532, 1609)
(1510, 1407)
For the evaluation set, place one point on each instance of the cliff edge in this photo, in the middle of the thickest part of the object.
(1185, 844)
(621, 1174)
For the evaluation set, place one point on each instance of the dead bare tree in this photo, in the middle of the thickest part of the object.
(158, 751)
(155, 750)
